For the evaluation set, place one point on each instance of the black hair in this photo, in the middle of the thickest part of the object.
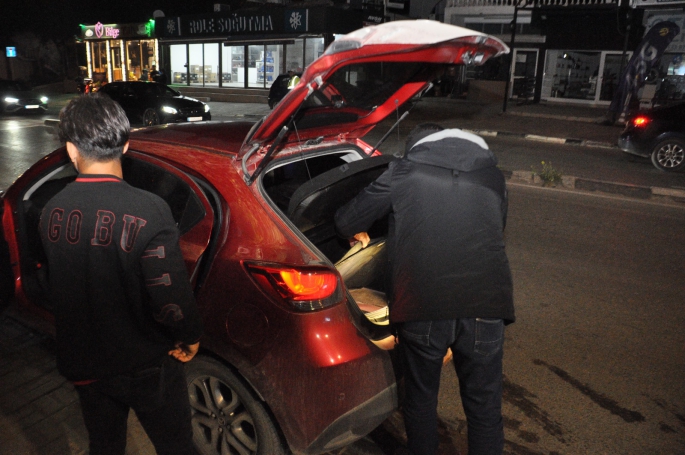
(419, 132)
(96, 125)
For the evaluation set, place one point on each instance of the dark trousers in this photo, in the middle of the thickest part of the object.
(158, 396)
(477, 348)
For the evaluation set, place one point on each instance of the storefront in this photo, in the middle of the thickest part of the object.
(248, 49)
(119, 52)
(584, 52)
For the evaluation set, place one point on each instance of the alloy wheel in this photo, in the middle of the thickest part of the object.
(669, 155)
(220, 420)
(150, 117)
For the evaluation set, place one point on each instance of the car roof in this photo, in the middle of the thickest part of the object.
(224, 137)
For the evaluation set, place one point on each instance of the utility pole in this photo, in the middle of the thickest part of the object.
(511, 62)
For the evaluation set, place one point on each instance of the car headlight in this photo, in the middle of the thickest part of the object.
(169, 110)
(44, 99)
(206, 107)
(9, 99)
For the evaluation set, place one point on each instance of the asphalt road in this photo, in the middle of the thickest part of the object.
(593, 364)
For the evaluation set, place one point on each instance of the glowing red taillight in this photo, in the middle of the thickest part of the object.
(640, 121)
(305, 288)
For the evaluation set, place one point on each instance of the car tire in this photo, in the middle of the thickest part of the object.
(150, 117)
(669, 155)
(226, 416)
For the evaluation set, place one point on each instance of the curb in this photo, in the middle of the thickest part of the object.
(590, 185)
(573, 118)
(548, 139)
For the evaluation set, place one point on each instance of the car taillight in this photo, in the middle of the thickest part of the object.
(304, 288)
(640, 121)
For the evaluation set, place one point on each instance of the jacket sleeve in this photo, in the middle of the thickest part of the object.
(172, 302)
(372, 203)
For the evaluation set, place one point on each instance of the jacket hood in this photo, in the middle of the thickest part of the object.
(453, 149)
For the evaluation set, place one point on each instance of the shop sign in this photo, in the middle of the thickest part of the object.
(199, 26)
(296, 20)
(11, 51)
(114, 31)
(233, 24)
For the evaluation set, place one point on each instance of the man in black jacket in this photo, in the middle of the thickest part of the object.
(451, 283)
(125, 313)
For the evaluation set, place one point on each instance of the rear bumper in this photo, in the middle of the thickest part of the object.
(356, 423)
(628, 145)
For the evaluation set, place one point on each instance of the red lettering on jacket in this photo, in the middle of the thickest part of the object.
(132, 226)
(74, 226)
(103, 228)
(55, 224)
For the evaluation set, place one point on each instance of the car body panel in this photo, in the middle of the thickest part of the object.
(224, 138)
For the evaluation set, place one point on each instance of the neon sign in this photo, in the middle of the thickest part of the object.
(114, 31)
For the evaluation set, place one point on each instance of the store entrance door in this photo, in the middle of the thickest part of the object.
(118, 73)
(610, 71)
(523, 77)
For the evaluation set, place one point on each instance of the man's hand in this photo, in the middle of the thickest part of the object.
(184, 353)
(362, 237)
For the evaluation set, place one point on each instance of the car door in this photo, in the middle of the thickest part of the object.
(22, 205)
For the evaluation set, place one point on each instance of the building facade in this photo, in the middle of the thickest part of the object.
(248, 48)
(569, 51)
(119, 52)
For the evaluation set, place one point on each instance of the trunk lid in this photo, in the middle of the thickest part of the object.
(363, 77)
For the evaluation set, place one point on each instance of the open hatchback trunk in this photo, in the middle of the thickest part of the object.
(360, 79)
(310, 150)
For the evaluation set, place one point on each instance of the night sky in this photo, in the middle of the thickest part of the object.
(61, 19)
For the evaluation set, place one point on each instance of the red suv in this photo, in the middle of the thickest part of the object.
(290, 311)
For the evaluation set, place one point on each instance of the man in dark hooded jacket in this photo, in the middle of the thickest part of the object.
(451, 282)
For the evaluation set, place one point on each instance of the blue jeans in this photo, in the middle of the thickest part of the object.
(477, 348)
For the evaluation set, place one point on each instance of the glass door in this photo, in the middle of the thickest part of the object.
(116, 47)
(255, 66)
(523, 77)
(232, 71)
(611, 70)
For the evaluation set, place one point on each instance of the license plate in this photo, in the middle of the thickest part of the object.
(31, 106)
(194, 119)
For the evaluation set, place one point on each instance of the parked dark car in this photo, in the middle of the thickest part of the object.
(658, 134)
(153, 103)
(289, 361)
(279, 89)
(16, 97)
